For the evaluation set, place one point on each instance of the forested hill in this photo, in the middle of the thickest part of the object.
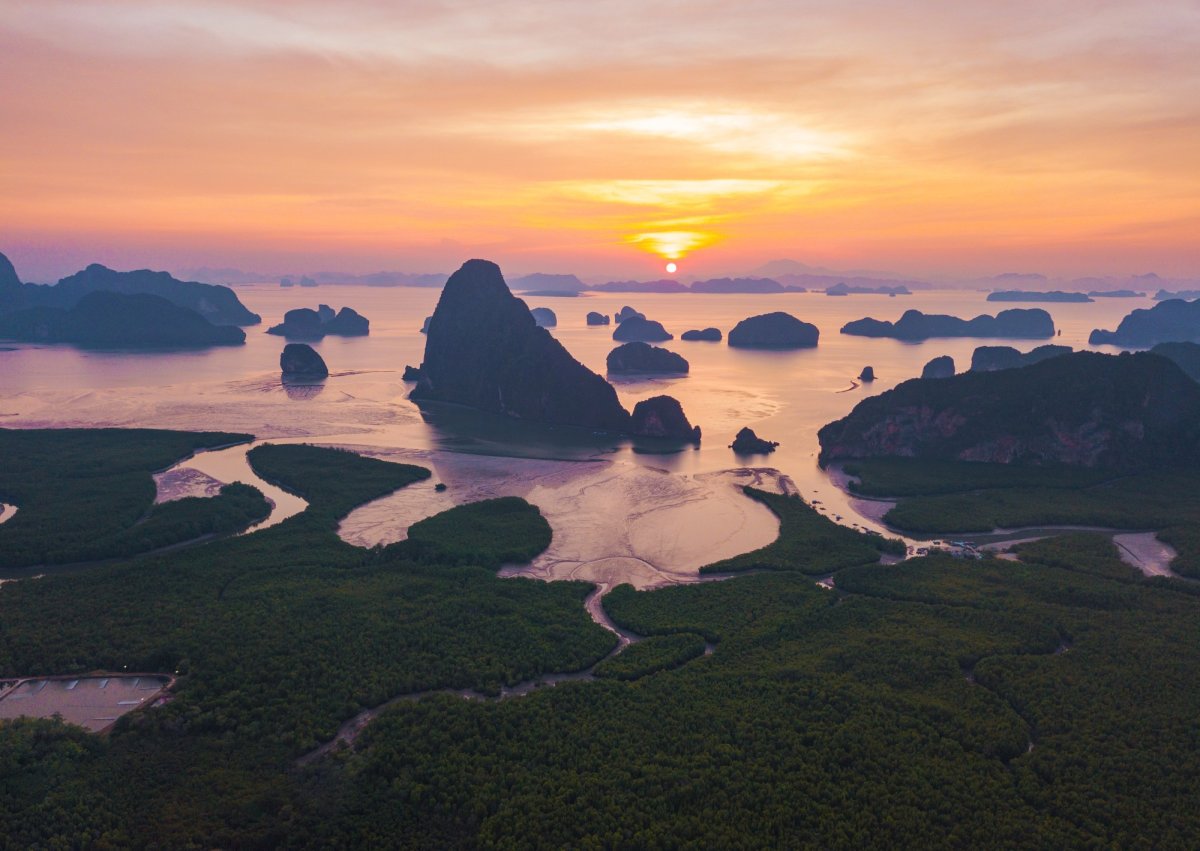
(1114, 411)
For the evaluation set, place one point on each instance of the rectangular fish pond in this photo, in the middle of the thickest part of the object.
(94, 701)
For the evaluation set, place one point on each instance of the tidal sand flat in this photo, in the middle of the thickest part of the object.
(204, 473)
(613, 521)
(1146, 552)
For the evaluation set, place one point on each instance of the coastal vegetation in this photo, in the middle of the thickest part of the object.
(934, 703)
(945, 497)
(86, 494)
(969, 497)
(656, 653)
(489, 534)
(807, 541)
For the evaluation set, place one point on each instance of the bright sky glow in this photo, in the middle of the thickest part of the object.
(602, 137)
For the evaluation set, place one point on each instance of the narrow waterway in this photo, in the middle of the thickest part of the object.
(203, 474)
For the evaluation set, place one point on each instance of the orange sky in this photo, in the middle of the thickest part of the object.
(929, 138)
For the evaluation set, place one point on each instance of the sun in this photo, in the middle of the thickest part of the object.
(671, 267)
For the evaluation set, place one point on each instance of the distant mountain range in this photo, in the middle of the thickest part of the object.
(238, 277)
(791, 275)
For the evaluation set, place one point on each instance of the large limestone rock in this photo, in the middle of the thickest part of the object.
(594, 318)
(707, 335)
(484, 349)
(301, 361)
(774, 331)
(643, 357)
(544, 317)
(662, 416)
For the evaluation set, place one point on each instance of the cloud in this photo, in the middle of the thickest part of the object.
(857, 124)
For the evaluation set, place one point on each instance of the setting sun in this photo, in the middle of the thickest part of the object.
(671, 268)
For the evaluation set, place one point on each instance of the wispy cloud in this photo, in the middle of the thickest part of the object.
(883, 134)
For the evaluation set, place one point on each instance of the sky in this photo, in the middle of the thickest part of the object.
(931, 138)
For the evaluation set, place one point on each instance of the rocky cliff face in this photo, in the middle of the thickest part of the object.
(1169, 321)
(1020, 324)
(594, 318)
(10, 284)
(1086, 409)
(484, 350)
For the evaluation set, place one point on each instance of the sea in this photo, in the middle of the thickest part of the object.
(619, 513)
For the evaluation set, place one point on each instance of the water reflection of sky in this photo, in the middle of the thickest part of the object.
(784, 396)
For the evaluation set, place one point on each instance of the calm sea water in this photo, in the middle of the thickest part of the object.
(784, 396)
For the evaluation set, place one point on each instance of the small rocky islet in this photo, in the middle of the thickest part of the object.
(632, 358)
(746, 442)
(913, 325)
(638, 329)
(300, 361)
(304, 323)
(776, 330)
